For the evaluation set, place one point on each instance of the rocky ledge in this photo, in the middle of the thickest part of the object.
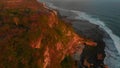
(34, 36)
(91, 57)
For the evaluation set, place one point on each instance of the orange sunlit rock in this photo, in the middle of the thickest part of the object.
(41, 37)
(36, 43)
(90, 43)
(16, 20)
(47, 58)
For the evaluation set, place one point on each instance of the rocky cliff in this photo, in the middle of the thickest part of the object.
(33, 36)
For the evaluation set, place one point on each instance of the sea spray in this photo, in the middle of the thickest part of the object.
(112, 48)
(84, 16)
(112, 42)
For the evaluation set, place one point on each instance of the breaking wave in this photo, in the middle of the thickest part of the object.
(112, 41)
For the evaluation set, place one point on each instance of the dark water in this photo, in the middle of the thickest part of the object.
(104, 14)
(109, 12)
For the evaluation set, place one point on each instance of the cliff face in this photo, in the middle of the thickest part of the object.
(33, 36)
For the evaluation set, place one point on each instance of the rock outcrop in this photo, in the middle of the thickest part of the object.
(93, 55)
(33, 36)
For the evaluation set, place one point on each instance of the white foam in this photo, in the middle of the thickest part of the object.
(84, 16)
(112, 58)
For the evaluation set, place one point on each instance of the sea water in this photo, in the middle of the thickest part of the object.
(106, 15)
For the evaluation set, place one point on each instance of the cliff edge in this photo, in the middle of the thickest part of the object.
(33, 36)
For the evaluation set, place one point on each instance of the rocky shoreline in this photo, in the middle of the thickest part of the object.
(99, 33)
(33, 35)
(94, 55)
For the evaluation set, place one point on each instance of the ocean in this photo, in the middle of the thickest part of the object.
(106, 15)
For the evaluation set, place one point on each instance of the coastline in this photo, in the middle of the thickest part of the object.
(39, 37)
(95, 32)
(91, 31)
(88, 30)
(106, 37)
